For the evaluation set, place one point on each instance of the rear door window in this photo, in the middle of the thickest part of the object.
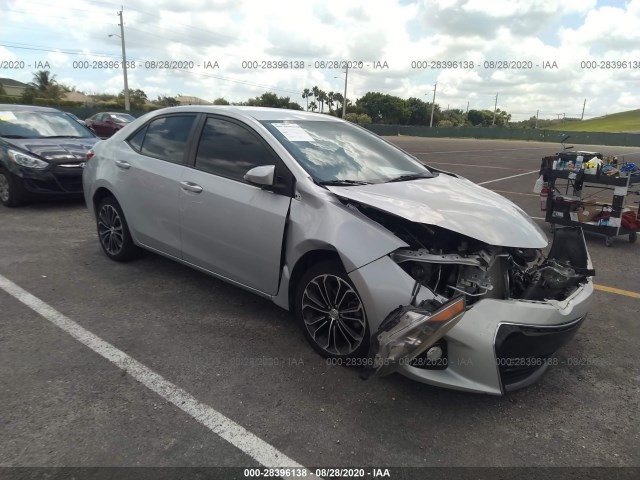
(166, 137)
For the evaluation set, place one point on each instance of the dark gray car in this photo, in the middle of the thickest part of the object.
(42, 152)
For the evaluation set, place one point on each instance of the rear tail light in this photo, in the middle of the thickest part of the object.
(90, 154)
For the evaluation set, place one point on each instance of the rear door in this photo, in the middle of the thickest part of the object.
(230, 227)
(149, 172)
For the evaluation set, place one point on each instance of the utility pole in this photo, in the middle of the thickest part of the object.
(467, 106)
(344, 100)
(433, 104)
(537, 112)
(583, 105)
(495, 108)
(127, 105)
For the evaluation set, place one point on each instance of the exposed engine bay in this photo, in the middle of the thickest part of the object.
(450, 264)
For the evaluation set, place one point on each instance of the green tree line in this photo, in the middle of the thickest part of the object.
(372, 107)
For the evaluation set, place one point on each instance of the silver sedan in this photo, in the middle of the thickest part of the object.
(385, 263)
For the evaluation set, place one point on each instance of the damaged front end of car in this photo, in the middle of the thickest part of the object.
(457, 278)
(475, 270)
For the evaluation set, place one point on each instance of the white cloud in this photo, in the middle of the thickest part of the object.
(231, 31)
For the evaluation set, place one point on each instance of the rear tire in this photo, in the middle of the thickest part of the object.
(12, 191)
(331, 313)
(113, 231)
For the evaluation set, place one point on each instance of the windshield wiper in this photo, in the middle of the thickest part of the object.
(411, 176)
(334, 183)
(12, 136)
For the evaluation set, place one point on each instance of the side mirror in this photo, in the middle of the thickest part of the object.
(262, 176)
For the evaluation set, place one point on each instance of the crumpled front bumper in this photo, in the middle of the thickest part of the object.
(489, 342)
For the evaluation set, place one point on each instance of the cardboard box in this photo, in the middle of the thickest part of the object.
(587, 212)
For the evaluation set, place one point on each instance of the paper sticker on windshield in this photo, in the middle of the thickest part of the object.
(6, 116)
(293, 132)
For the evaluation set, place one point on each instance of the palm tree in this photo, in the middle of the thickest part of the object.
(338, 98)
(42, 80)
(44, 85)
(330, 101)
(306, 93)
(313, 106)
(315, 91)
(322, 97)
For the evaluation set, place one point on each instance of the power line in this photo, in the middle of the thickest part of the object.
(58, 17)
(191, 27)
(59, 50)
(154, 45)
(80, 53)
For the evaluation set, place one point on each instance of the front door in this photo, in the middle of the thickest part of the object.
(230, 227)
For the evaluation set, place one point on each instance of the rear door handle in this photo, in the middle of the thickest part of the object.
(123, 165)
(191, 187)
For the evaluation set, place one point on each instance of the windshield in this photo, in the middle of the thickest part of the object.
(122, 118)
(32, 124)
(342, 152)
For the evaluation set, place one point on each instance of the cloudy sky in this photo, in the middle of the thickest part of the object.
(405, 35)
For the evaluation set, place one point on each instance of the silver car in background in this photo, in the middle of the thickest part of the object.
(386, 263)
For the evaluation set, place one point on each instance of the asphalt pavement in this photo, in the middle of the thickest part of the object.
(63, 404)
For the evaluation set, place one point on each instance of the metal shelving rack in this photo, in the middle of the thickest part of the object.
(559, 206)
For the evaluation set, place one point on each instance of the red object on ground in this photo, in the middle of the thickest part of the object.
(630, 220)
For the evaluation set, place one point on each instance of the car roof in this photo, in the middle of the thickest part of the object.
(26, 108)
(258, 113)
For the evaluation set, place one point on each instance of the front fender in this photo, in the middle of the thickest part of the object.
(322, 222)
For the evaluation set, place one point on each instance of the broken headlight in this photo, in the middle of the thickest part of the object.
(408, 331)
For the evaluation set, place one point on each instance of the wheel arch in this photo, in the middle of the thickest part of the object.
(100, 194)
(312, 257)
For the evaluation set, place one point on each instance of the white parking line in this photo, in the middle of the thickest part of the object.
(226, 428)
(506, 178)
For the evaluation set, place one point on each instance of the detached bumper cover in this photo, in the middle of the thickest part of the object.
(502, 345)
(538, 328)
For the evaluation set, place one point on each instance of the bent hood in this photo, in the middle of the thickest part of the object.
(455, 204)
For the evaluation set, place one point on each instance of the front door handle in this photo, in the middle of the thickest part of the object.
(191, 187)
(123, 165)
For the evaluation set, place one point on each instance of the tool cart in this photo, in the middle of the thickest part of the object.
(570, 190)
(572, 210)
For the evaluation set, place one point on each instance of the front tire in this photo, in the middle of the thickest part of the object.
(113, 231)
(12, 191)
(331, 313)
